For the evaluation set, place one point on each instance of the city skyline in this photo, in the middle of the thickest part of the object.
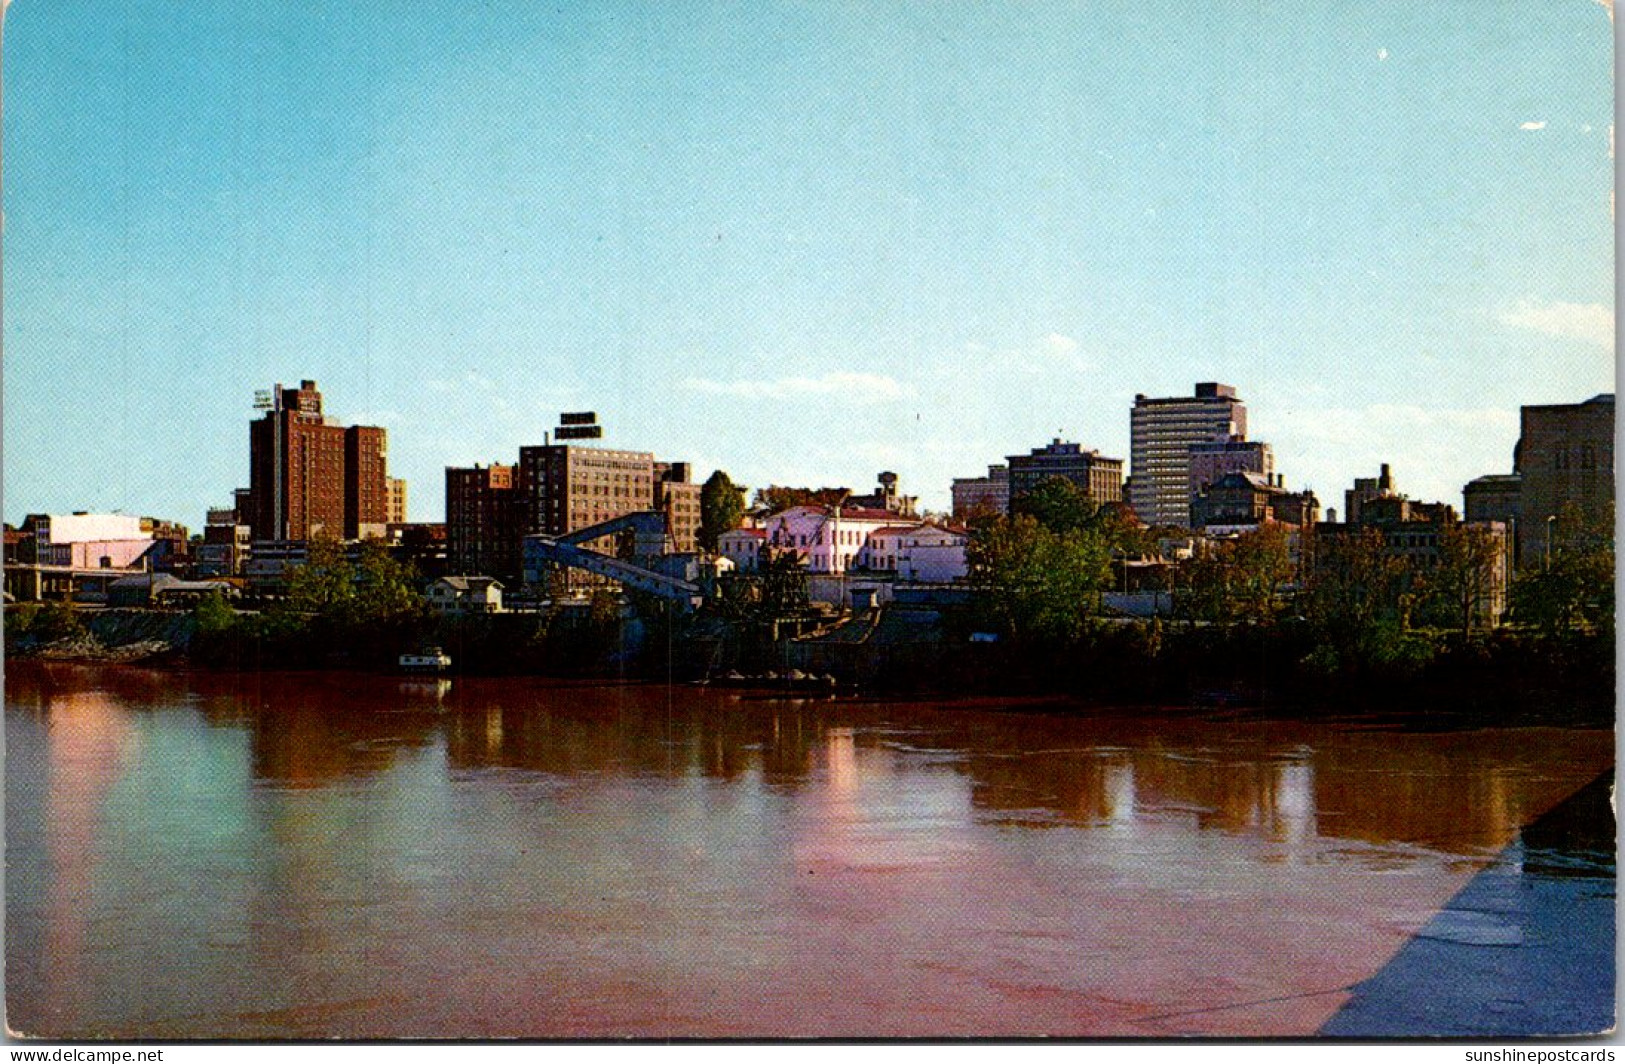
(799, 244)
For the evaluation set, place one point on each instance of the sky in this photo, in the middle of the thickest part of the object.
(802, 242)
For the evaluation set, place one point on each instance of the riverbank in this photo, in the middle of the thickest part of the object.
(1510, 676)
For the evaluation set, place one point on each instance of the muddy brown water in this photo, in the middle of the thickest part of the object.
(343, 855)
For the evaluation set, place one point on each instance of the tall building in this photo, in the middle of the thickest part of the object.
(1496, 498)
(989, 494)
(1161, 434)
(1101, 478)
(366, 483)
(678, 497)
(1214, 459)
(311, 477)
(567, 488)
(395, 503)
(484, 521)
(1565, 458)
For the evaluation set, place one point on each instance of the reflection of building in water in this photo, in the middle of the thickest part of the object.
(840, 758)
(319, 737)
(89, 737)
(1453, 793)
(1118, 789)
(635, 730)
(1440, 793)
(1293, 809)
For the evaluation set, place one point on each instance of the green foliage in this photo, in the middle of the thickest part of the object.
(325, 584)
(43, 622)
(778, 499)
(1058, 505)
(1460, 591)
(1243, 579)
(213, 614)
(375, 588)
(1354, 584)
(1040, 583)
(1574, 593)
(385, 589)
(722, 507)
(57, 620)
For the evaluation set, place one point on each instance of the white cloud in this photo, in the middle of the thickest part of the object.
(844, 386)
(1533, 125)
(1434, 451)
(1060, 346)
(1591, 323)
(1048, 353)
(1382, 55)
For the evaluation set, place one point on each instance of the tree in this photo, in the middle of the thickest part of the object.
(1353, 583)
(325, 583)
(722, 507)
(1039, 583)
(213, 613)
(373, 589)
(1461, 588)
(385, 589)
(1057, 504)
(1239, 580)
(778, 499)
(1572, 591)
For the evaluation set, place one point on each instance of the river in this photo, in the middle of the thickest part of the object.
(343, 855)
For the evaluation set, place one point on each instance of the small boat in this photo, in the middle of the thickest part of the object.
(429, 659)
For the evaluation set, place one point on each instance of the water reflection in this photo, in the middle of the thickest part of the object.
(342, 854)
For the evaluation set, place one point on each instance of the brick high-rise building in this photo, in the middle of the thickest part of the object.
(484, 522)
(1565, 459)
(566, 488)
(678, 497)
(1101, 478)
(310, 477)
(978, 495)
(1162, 432)
(395, 508)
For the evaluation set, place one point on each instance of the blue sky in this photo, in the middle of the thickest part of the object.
(802, 242)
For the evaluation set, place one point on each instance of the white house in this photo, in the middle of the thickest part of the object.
(466, 594)
(917, 553)
(827, 539)
(931, 554)
(743, 547)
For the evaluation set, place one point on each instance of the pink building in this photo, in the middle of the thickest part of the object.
(825, 538)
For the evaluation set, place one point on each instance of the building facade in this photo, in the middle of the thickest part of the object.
(310, 477)
(1099, 477)
(1367, 489)
(1565, 460)
(678, 497)
(395, 501)
(982, 495)
(1213, 459)
(1240, 500)
(918, 553)
(886, 497)
(1161, 434)
(826, 539)
(566, 488)
(484, 521)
